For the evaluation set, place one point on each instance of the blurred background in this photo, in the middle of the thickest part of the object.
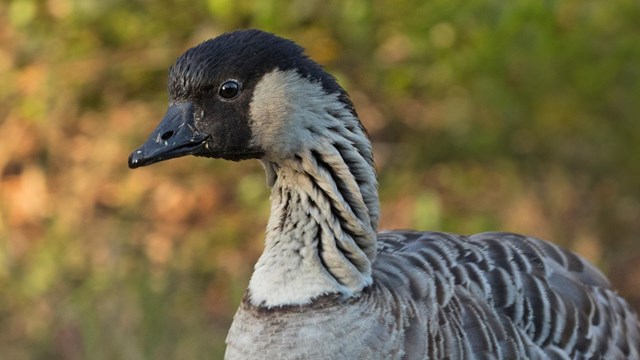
(486, 115)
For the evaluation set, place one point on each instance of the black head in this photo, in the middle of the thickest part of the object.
(211, 87)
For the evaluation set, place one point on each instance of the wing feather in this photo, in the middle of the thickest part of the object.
(508, 295)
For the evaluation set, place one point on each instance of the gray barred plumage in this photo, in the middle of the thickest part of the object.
(447, 296)
(328, 286)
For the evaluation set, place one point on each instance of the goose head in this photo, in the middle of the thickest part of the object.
(246, 94)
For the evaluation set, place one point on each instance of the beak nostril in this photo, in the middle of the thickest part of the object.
(166, 136)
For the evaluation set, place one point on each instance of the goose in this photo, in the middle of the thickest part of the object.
(328, 285)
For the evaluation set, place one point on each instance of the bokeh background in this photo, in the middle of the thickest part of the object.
(517, 115)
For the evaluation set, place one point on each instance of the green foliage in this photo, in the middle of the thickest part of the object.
(516, 115)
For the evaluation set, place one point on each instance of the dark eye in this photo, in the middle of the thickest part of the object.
(229, 89)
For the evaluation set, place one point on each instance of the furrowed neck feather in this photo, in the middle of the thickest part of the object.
(321, 235)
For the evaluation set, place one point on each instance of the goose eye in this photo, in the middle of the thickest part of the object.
(229, 89)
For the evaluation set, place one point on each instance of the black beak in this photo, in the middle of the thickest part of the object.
(175, 136)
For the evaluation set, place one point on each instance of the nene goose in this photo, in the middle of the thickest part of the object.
(328, 286)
